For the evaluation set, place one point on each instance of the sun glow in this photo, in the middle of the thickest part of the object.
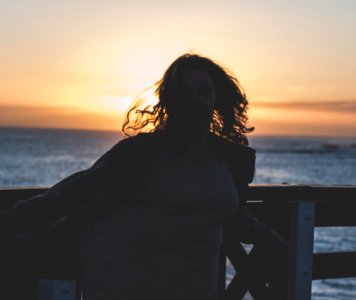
(82, 63)
(110, 104)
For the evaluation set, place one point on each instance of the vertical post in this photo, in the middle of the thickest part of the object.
(301, 250)
(222, 273)
(48, 289)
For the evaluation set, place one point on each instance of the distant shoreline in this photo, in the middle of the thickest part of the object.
(251, 135)
(59, 129)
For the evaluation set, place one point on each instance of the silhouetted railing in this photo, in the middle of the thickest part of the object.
(46, 267)
(293, 211)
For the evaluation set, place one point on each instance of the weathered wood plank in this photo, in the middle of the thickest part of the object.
(334, 194)
(335, 214)
(334, 265)
(327, 214)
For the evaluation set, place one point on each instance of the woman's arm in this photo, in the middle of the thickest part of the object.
(73, 193)
(243, 225)
(246, 228)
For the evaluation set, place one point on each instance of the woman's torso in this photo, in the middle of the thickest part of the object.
(164, 243)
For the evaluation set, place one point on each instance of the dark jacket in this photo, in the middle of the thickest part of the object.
(96, 191)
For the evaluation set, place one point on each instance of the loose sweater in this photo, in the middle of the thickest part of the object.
(164, 243)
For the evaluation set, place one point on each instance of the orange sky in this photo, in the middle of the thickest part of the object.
(79, 64)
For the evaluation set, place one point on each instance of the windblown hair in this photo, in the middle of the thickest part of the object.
(230, 112)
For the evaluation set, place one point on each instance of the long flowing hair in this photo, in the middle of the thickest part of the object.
(229, 119)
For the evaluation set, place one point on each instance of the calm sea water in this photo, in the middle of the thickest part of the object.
(42, 157)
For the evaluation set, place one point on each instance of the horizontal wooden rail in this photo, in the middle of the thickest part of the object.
(319, 193)
(257, 192)
(334, 265)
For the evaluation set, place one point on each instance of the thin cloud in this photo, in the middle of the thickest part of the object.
(337, 106)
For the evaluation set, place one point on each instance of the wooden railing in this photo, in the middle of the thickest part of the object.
(48, 268)
(293, 211)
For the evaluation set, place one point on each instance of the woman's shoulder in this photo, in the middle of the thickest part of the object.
(128, 151)
(231, 148)
(142, 138)
(240, 158)
(140, 142)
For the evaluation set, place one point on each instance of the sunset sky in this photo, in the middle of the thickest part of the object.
(79, 64)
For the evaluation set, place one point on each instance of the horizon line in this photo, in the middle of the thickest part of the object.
(121, 133)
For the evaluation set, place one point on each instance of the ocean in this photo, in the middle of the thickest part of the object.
(42, 157)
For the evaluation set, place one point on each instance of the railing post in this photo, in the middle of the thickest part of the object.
(222, 273)
(301, 250)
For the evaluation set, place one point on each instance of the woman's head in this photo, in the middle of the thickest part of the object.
(195, 93)
(190, 100)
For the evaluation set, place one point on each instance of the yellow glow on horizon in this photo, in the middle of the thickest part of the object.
(109, 104)
(292, 121)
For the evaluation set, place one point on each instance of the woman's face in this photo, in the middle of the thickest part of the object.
(194, 102)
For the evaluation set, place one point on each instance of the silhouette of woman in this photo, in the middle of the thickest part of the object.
(153, 209)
